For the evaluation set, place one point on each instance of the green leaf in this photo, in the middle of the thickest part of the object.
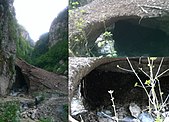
(158, 119)
(147, 82)
(99, 44)
(136, 84)
(153, 58)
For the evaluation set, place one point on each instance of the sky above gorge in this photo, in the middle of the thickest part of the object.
(37, 15)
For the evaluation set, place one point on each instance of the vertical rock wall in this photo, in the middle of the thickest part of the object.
(59, 27)
(8, 36)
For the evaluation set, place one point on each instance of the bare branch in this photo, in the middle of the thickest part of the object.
(139, 80)
(159, 67)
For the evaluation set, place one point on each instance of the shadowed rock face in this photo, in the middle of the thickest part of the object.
(98, 82)
(8, 36)
(101, 74)
(20, 81)
(133, 39)
(152, 21)
(59, 28)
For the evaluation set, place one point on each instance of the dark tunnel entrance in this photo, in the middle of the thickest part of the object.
(134, 39)
(95, 87)
(21, 84)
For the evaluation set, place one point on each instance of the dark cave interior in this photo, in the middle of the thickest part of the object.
(21, 83)
(95, 87)
(134, 39)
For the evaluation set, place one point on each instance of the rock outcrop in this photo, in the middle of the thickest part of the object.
(88, 22)
(26, 35)
(39, 79)
(8, 37)
(59, 28)
(80, 67)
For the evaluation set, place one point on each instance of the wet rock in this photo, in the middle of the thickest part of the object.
(14, 94)
(129, 119)
(77, 107)
(134, 109)
(145, 117)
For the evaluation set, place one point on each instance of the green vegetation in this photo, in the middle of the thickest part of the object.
(41, 46)
(65, 114)
(9, 111)
(24, 50)
(156, 99)
(73, 5)
(55, 60)
(106, 45)
(48, 119)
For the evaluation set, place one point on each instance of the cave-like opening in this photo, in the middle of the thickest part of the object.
(96, 84)
(135, 39)
(21, 84)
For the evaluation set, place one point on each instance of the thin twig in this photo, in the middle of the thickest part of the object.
(143, 9)
(162, 73)
(139, 79)
(159, 67)
(159, 87)
(153, 7)
(144, 73)
(164, 102)
(124, 69)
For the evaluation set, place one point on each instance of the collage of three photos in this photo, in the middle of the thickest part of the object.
(84, 61)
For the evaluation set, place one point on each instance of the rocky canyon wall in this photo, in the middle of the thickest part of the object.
(8, 36)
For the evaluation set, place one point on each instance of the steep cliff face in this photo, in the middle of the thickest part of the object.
(24, 44)
(8, 36)
(24, 33)
(50, 51)
(58, 28)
